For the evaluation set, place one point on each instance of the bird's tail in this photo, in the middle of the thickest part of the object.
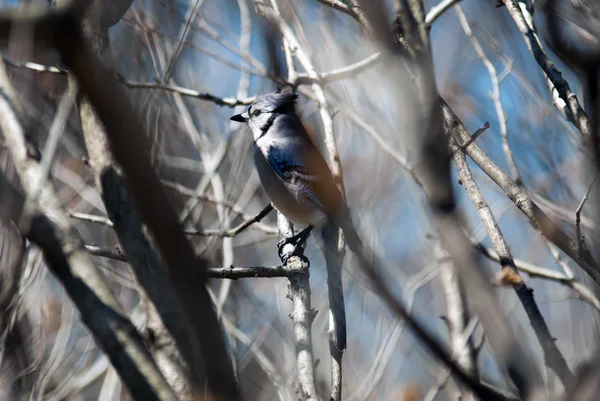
(337, 310)
(352, 238)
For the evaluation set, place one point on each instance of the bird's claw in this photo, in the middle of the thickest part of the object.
(297, 240)
(297, 251)
(284, 256)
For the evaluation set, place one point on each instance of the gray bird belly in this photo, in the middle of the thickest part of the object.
(297, 209)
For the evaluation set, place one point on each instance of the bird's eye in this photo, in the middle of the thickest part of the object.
(256, 113)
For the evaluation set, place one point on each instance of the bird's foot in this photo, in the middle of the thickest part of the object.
(297, 240)
(296, 251)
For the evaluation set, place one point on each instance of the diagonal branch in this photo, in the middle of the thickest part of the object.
(537, 217)
(552, 355)
(235, 230)
(66, 257)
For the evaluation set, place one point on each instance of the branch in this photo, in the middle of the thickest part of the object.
(434, 155)
(349, 71)
(580, 238)
(124, 133)
(230, 273)
(348, 7)
(302, 315)
(538, 218)
(535, 271)
(525, 25)
(495, 95)
(66, 258)
(552, 355)
(456, 319)
(437, 11)
(219, 101)
(236, 230)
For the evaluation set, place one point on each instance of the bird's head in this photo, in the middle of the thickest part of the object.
(264, 110)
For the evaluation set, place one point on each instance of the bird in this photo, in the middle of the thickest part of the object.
(293, 173)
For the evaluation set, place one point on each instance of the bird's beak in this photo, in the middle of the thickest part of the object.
(240, 118)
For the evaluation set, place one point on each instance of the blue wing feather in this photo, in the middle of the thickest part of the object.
(295, 174)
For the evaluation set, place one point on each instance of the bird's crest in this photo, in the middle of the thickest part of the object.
(277, 102)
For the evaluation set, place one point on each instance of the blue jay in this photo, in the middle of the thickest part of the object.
(292, 170)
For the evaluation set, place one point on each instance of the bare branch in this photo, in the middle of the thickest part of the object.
(338, 74)
(350, 8)
(552, 355)
(437, 11)
(225, 101)
(302, 315)
(580, 238)
(515, 193)
(456, 319)
(495, 95)
(91, 218)
(68, 260)
(233, 231)
(578, 116)
(535, 271)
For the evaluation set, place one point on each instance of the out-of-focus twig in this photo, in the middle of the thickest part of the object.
(263, 360)
(437, 11)
(460, 346)
(350, 8)
(67, 259)
(434, 156)
(62, 30)
(56, 130)
(182, 37)
(339, 73)
(495, 94)
(456, 319)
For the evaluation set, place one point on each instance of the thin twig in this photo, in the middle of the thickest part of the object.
(458, 349)
(219, 101)
(202, 233)
(552, 355)
(456, 318)
(56, 130)
(65, 256)
(476, 135)
(182, 37)
(578, 216)
(283, 390)
(34, 66)
(385, 146)
(338, 74)
(234, 231)
(230, 273)
(535, 271)
(92, 218)
(348, 7)
(495, 95)
(437, 11)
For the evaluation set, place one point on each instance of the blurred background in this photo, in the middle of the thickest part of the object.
(483, 70)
